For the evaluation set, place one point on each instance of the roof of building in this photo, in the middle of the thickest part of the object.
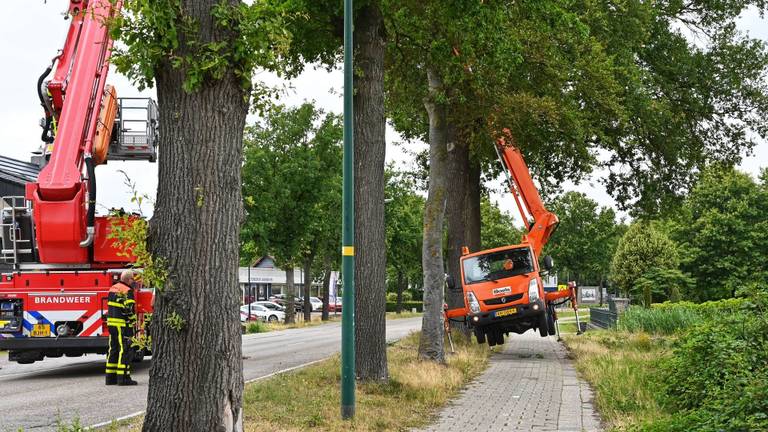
(17, 172)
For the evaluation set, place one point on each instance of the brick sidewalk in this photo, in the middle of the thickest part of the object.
(530, 386)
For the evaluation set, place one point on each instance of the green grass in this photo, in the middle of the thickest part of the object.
(658, 321)
(308, 399)
(622, 369)
(403, 314)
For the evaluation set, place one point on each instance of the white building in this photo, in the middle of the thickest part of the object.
(265, 279)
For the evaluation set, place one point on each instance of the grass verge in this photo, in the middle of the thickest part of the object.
(262, 327)
(308, 399)
(622, 369)
(403, 314)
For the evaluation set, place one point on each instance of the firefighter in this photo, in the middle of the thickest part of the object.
(120, 317)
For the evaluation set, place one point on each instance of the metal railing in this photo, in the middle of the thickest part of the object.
(12, 239)
(603, 318)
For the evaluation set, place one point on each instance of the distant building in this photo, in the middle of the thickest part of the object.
(14, 175)
(265, 279)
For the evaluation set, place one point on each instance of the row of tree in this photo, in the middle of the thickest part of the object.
(714, 246)
(578, 85)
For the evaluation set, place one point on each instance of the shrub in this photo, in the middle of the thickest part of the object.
(392, 297)
(257, 327)
(642, 249)
(718, 376)
(407, 306)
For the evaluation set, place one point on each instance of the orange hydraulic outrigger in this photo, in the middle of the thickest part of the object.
(502, 287)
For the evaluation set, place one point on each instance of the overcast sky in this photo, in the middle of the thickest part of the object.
(31, 33)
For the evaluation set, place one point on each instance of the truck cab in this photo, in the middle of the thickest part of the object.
(503, 292)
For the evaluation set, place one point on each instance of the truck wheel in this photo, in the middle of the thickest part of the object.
(551, 322)
(480, 335)
(491, 336)
(499, 338)
(543, 325)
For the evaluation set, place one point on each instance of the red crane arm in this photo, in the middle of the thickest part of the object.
(63, 229)
(526, 194)
(81, 74)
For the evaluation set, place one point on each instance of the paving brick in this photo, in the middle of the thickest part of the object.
(529, 386)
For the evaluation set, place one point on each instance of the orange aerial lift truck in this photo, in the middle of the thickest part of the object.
(502, 287)
(58, 257)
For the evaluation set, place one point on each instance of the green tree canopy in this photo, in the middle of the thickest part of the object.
(404, 212)
(404, 215)
(291, 178)
(642, 250)
(650, 91)
(585, 240)
(498, 227)
(722, 230)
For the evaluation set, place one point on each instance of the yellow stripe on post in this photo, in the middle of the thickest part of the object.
(348, 251)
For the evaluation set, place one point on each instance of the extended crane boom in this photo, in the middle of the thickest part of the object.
(526, 194)
(64, 232)
(63, 259)
(502, 287)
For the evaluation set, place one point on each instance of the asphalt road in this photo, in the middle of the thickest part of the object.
(38, 396)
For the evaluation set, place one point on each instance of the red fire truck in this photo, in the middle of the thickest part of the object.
(57, 253)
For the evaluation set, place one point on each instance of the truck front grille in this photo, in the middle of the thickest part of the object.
(503, 300)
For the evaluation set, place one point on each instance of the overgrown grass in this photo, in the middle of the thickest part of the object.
(309, 399)
(658, 321)
(668, 318)
(403, 314)
(623, 371)
(710, 374)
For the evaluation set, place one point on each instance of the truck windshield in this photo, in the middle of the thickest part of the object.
(497, 265)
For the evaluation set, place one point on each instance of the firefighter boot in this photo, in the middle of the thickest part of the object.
(111, 379)
(125, 380)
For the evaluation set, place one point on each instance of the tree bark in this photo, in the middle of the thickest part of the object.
(400, 282)
(431, 346)
(196, 378)
(474, 220)
(290, 289)
(457, 215)
(369, 155)
(308, 287)
(326, 291)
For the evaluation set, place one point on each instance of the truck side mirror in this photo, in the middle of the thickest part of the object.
(549, 264)
(451, 283)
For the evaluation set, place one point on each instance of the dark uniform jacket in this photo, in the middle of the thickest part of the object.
(121, 311)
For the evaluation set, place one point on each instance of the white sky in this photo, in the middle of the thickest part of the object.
(31, 33)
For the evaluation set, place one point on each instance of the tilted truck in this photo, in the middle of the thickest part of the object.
(502, 287)
(59, 257)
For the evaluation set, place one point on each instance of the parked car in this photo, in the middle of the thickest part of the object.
(334, 306)
(316, 303)
(261, 313)
(280, 299)
(271, 305)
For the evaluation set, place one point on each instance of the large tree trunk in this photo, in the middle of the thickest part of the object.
(196, 378)
(290, 290)
(431, 345)
(308, 287)
(474, 220)
(326, 290)
(457, 215)
(401, 281)
(370, 146)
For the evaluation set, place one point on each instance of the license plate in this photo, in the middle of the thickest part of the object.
(505, 312)
(41, 330)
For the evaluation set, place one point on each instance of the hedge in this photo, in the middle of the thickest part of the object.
(407, 306)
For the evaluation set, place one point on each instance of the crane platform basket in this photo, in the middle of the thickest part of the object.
(137, 130)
